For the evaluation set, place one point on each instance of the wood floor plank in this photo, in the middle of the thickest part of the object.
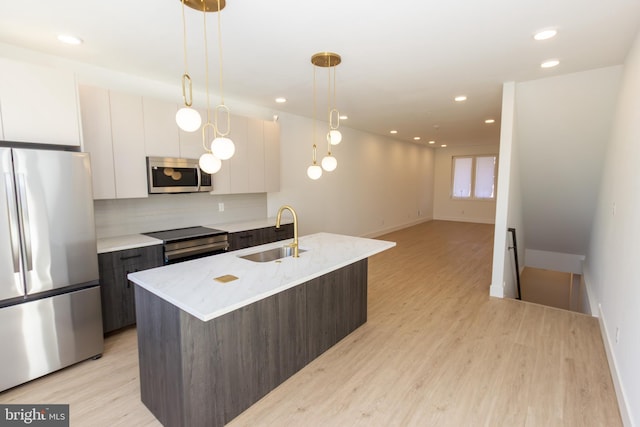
(436, 351)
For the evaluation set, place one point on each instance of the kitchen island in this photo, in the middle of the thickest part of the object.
(209, 347)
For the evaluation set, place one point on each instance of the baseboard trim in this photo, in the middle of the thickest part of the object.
(623, 404)
(378, 233)
(465, 219)
(497, 290)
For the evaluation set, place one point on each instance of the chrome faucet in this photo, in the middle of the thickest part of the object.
(293, 245)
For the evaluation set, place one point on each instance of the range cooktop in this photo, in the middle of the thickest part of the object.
(184, 233)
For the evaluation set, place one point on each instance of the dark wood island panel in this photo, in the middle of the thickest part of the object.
(195, 373)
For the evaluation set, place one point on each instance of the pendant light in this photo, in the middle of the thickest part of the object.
(314, 171)
(208, 162)
(329, 162)
(334, 136)
(327, 60)
(222, 146)
(187, 118)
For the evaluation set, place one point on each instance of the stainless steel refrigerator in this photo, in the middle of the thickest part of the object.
(50, 315)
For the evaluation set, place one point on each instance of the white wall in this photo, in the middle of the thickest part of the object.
(446, 208)
(380, 184)
(611, 266)
(508, 204)
(563, 128)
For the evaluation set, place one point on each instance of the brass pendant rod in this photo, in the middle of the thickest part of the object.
(314, 114)
(329, 104)
(206, 62)
(186, 79)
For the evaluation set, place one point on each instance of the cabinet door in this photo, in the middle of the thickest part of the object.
(96, 128)
(117, 293)
(271, 156)
(161, 137)
(256, 159)
(39, 104)
(128, 145)
(238, 164)
(246, 239)
(283, 233)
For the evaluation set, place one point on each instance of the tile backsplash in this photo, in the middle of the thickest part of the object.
(166, 211)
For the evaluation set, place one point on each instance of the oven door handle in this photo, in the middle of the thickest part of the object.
(195, 250)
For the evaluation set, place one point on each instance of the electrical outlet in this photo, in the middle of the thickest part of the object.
(220, 207)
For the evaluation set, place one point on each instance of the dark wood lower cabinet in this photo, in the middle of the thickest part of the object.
(117, 293)
(259, 236)
(195, 373)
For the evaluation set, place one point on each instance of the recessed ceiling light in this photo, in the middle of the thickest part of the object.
(432, 142)
(344, 117)
(69, 39)
(460, 98)
(489, 121)
(545, 34)
(416, 138)
(550, 63)
(393, 131)
(281, 100)
(443, 145)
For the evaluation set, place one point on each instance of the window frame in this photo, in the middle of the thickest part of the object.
(472, 196)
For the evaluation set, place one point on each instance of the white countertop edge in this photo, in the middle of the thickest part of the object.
(383, 245)
(121, 243)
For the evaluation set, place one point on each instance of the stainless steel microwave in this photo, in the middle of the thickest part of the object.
(173, 175)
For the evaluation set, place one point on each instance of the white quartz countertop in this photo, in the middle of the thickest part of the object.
(130, 241)
(191, 286)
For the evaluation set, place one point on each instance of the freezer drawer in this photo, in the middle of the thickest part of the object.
(45, 335)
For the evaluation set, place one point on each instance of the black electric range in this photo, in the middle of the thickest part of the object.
(182, 244)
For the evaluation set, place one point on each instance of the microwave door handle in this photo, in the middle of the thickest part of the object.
(199, 178)
(14, 232)
(23, 209)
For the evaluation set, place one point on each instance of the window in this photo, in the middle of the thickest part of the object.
(474, 177)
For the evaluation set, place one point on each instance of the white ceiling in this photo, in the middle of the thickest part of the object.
(402, 61)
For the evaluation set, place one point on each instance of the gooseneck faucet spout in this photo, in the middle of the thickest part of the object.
(293, 245)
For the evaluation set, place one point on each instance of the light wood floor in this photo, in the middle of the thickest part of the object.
(547, 287)
(436, 351)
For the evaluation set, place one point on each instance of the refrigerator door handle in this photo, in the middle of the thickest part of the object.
(23, 209)
(14, 232)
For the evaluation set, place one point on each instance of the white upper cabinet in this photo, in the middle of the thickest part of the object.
(271, 156)
(239, 164)
(39, 104)
(128, 145)
(96, 127)
(161, 137)
(256, 159)
(114, 137)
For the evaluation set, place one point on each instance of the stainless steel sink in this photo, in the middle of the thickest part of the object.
(271, 254)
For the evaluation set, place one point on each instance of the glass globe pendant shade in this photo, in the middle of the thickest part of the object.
(314, 171)
(334, 137)
(210, 163)
(223, 148)
(188, 119)
(329, 163)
